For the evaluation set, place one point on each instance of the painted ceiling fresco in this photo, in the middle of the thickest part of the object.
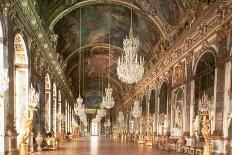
(96, 20)
(96, 16)
(93, 99)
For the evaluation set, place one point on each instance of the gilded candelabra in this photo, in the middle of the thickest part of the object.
(141, 137)
(75, 131)
(124, 134)
(205, 107)
(149, 141)
(206, 133)
(28, 120)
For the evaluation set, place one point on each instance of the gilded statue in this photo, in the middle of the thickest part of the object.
(75, 131)
(180, 144)
(27, 128)
(149, 133)
(124, 134)
(206, 134)
(28, 121)
(206, 130)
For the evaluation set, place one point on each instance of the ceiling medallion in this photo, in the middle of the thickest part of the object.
(130, 68)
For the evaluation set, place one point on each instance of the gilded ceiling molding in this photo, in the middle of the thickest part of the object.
(31, 21)
(203, 29)
(69, 9)
(7, 8)
(82, 48)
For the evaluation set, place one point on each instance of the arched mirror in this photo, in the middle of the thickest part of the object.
(47, 103)
(54, 107)
(178, 110)
(204, 84)
(152, 103)
(204, 76)
(163, 98)
(144, 106)
(21, 81)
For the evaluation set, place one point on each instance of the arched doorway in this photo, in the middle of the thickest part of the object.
(204, 84)
(21, 81)
(47, 103)
(94, 128)
(54, 108)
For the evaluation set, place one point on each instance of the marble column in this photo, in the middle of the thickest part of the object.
(188, 98)
(219, 89)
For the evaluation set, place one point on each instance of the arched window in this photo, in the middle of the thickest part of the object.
(59, 112)
(152, 102)
(21, 81)
(47, 103)
(163, 98)
(54, 107)
(204, 77)
(178, 109)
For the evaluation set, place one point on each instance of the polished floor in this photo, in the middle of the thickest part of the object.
(104, 146)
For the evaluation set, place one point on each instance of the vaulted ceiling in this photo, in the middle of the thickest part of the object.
(153, 21)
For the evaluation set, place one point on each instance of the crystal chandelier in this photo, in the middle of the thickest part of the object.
(78, 107)
(205, 105)
(130, 68)
(4, 80)
(120, 117)
(108, 101)
(100, 114)
(107, 124)
(79, 99)
(136, 112)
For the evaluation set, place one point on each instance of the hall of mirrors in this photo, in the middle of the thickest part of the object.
(150, 74)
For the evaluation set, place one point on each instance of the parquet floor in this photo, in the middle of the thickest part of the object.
(104, 146)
